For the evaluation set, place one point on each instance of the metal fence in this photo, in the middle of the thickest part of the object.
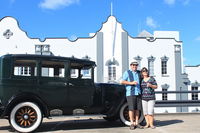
(177, 103)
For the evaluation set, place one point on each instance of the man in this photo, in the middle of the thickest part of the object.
(131, 79)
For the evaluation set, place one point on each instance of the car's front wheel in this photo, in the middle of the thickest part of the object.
(124, 116)
(25, 117)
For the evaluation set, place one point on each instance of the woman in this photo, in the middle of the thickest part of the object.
(148, 84)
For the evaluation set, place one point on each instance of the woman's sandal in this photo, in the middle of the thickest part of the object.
(152, 127)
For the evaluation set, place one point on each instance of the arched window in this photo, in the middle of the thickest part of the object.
(164, 90)
(195, 88)
(138, 59)
(112, 69)
(151, 60)
(164, 60)
(112, 72)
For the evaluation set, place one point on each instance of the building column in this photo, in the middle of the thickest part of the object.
(125, 57)
(100, 57)
(180, 86)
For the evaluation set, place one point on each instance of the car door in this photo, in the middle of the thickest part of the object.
(80, 89)
(52, 84)
(80, 93)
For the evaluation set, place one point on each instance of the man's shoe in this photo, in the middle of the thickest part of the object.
(132, 127)
(139, 126)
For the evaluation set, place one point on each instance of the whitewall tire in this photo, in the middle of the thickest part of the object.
(25, 117)
(124, 116)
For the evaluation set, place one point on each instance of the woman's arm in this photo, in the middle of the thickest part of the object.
(153, 86)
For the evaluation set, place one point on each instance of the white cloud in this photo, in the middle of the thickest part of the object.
(170, 2)
(151, 22)
(198, 38)
(56, 4)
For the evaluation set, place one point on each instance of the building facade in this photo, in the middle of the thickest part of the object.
(112, 48)
(193, 74)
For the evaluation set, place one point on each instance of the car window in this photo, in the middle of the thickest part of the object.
(25, 68)
(80, 72)
(52, 69)
(86, 73)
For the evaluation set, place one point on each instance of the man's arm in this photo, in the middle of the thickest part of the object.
(129, 83)
(125, 78)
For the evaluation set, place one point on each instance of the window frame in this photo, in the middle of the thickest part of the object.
(164, 66)
(164, 94)
(151, 60)
(35, 74)
(58, 77)
(78, 71)
(194, 96)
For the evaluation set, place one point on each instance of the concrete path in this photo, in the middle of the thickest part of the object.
(168, 123)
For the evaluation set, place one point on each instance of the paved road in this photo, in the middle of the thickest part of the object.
(171, 123)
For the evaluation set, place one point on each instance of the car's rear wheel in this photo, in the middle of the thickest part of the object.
(25, 117)
(124, 116)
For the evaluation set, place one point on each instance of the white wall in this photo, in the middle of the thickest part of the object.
(193, 75)
(162, 45)
(108, 30)
(19, 42)
(157, 49)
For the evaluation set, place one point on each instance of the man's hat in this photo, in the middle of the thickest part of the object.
(134, 62)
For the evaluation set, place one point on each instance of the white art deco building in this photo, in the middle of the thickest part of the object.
(112, 48)
(193, 75)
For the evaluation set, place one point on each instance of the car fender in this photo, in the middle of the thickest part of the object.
(24, 97)
(114, 110)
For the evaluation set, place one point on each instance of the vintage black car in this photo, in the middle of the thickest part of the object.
(36, 86)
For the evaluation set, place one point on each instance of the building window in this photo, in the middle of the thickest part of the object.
(23, 71)
(111, 72)
(164, 65)
(138, 59)
(151, 60)
(194, 95)
(164, 90)
(112, 69)
(43, 49)
(164, 95)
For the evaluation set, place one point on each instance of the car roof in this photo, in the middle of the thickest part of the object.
(50, 57)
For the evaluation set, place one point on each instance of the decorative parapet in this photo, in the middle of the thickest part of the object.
(7, 34)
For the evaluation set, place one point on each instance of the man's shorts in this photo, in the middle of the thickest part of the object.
(134, 102)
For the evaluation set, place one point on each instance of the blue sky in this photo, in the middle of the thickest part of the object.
(78, 18)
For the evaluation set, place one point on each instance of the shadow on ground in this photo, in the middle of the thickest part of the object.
(87, 124)
(78, 124)
(159, 123)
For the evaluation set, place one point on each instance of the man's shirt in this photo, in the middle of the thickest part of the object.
(136, 88)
